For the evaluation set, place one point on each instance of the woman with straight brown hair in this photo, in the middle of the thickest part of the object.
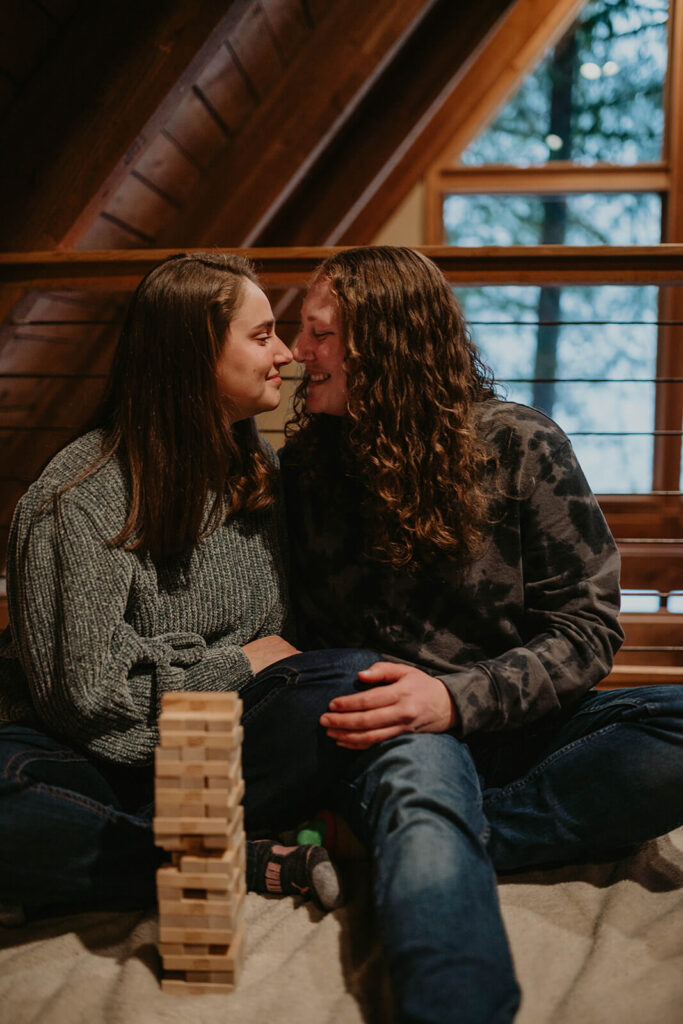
(149, 557)
(455, 534)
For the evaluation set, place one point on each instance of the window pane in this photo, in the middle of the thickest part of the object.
(596, 96)
(603, 218)
(595, 357)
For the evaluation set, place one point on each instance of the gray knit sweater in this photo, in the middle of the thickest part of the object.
(97, 634)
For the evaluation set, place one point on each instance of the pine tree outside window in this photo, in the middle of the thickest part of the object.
(579, 157)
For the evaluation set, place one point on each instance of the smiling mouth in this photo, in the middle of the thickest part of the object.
(318, 378)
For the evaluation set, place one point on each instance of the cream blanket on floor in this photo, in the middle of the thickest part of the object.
(597, 944)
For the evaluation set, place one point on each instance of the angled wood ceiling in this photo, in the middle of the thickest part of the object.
(186, 123)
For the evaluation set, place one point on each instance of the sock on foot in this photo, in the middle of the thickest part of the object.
(294, 870)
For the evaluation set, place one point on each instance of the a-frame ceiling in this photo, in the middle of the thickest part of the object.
(184, 123)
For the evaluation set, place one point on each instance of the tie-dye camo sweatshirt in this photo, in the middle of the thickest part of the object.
(521, 631)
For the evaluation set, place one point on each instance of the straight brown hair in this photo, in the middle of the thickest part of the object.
(187, 466)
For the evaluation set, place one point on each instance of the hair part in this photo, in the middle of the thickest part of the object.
(414, 379)
(187, 466)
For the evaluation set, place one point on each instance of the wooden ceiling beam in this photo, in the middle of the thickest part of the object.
(349, 173)
(317, 93)
(120, 270)
(84, 108)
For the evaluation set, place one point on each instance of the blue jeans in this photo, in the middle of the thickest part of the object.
(75, 832)
(438, 815)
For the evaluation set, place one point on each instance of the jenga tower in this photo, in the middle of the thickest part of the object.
(200, 820)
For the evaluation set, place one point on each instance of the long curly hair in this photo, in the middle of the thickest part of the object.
(187, 466)
(409, 438)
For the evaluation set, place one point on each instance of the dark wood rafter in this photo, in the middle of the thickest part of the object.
(100, 73)
(348, 174)
(28, 32)
(328, 77)
(287, 25)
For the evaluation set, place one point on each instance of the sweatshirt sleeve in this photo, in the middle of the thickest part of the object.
(568, 625)
(91, 677)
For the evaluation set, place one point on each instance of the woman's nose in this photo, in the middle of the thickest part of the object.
(283, 354)
(299, 351)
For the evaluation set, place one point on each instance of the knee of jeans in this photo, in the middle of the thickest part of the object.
(418, 776)
(424, 762)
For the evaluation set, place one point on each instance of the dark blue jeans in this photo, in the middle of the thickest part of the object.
(440, 815)
(78, 832)
(437, 814)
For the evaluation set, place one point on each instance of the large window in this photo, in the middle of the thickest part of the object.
(578, 157)
(596, 96)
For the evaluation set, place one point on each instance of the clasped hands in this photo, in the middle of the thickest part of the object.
(408, 701)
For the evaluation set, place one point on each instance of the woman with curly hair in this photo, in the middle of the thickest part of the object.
(455, 534)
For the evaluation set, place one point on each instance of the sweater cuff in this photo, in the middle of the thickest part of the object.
(223, 667)
(476, 699)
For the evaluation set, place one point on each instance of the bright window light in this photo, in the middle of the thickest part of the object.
(590, 70)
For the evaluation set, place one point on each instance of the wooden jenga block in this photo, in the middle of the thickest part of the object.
(191, 936)
(175, 984)
(169, 763)
(179, 735)
(199, 819)
(204, 703)
(171, 880)
(216, 968)
(201, 908)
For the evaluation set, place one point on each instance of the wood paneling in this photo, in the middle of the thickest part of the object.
(253, 47)
(224, 85)
(288, 24)
(331, 72)
(87, 105)
(348, 174)
(165, 165)
(199, 135)
(26, 33)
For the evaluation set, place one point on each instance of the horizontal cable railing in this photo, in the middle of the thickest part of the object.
(650, 538)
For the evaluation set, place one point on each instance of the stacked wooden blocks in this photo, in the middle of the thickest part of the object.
(200, 821)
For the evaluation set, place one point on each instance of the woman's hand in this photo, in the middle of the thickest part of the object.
(267, 650)
(411, 702)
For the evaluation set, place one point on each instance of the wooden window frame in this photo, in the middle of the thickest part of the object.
(664, 177)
